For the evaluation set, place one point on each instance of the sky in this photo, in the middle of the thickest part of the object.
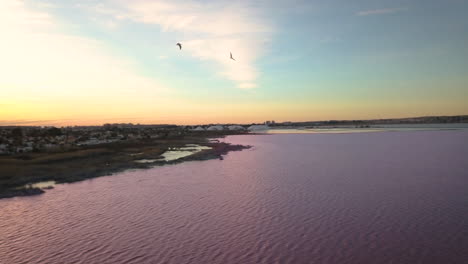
(87, 62)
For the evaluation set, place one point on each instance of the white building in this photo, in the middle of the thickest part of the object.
(258, 128)
(215, 128)
(23, 149)
(236, 127)
(95, 141)
(199, 129)
(3, 149)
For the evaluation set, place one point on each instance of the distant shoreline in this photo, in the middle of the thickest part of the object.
(443, 119)
(80, 162)
(101, 160)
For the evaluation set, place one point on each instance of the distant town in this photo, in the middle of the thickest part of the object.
(14, 140)
(24, 139)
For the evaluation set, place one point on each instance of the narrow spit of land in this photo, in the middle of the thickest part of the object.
(17, 171)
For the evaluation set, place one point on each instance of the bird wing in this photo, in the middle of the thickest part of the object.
(180, 45)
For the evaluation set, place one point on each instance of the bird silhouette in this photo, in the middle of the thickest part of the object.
(180, 46)
(231, 56)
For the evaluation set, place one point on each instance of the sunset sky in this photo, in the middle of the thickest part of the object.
(84, 62)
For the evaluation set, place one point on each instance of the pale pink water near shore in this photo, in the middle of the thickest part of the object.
(389, 197)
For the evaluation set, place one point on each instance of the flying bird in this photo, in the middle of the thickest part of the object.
(231, 56)
(180, 46)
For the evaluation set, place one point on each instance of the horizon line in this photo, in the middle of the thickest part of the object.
(23, 123)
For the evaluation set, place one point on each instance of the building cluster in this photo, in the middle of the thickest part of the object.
(229, 128)
(15, 140)
(217, 128)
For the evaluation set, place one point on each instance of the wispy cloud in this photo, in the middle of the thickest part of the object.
(208, 31)
(380, 11)
(27, 122)
(38, 58)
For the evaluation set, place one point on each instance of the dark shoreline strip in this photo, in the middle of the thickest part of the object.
(109, 163)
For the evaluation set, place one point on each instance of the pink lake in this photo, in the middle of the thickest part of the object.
(387, 197)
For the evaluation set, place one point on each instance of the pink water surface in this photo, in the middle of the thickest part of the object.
(389, 197)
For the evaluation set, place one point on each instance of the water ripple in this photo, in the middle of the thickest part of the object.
(346, 198)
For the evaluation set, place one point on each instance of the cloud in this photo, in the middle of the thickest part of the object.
(242, 70)
(247, 85)
(208, 31)
(38, 60)
(380, 11)
(32, 122)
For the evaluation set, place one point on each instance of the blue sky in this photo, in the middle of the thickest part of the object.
(295, 60)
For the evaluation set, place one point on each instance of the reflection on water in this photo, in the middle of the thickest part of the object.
(374, 128)
(146, 160)
(178, 153)
(320, 131)
(41, 185)
(354, 198)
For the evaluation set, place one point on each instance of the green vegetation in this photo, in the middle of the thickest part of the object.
(99, 160)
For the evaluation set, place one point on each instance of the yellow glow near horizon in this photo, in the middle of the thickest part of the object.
(49, 77)
(189, 113)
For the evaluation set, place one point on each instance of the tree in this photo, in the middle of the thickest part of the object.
(17, 136)
(53, 132)
(17, 132)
